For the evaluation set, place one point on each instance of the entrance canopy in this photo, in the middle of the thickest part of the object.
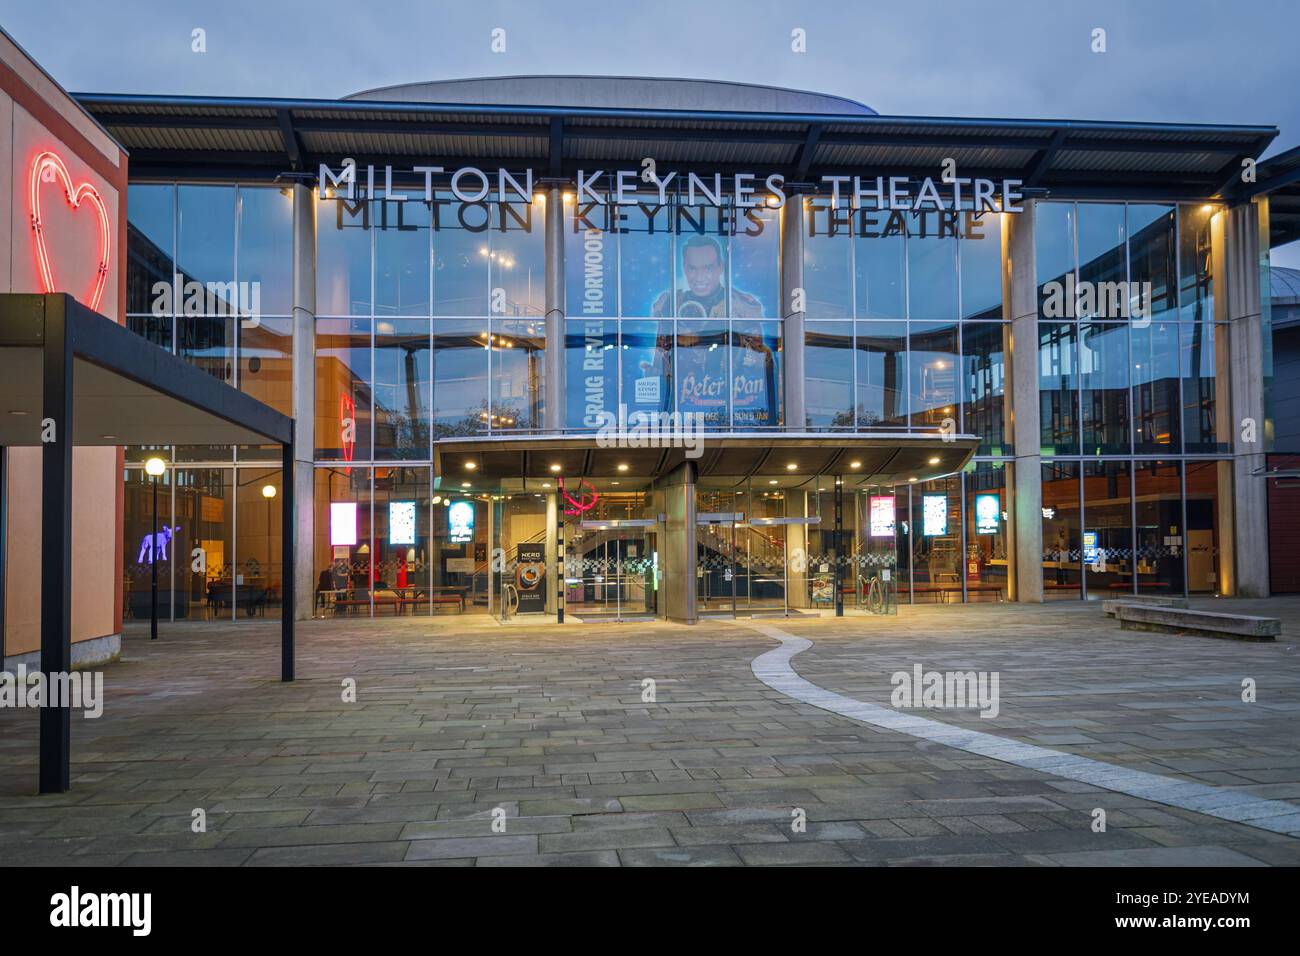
(69, 376)
(124, 389)
(880, 459)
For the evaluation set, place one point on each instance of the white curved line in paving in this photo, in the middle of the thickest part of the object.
(773, 668)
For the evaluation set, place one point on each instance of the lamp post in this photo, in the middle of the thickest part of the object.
(154, 467)
(268, 492)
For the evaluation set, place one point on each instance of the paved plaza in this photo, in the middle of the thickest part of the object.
(460, 723)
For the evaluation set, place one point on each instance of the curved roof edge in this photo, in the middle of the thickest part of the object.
(634, 92)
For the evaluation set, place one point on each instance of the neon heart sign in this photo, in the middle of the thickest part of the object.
(49, 168)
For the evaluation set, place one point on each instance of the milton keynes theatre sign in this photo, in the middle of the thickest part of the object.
(469, 184)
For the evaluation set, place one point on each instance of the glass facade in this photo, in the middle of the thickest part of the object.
(430, 324)
(1127, 387)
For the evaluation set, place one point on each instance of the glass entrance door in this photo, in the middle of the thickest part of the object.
(612, 569)
(719, 564)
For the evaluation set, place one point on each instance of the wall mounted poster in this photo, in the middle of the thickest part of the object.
(530, 578)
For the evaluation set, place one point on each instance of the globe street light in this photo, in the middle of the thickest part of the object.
(154, 467)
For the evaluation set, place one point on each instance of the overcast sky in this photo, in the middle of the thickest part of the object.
(1206, 61)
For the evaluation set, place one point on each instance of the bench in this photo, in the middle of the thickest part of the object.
(1241, 627)
(1150, 600)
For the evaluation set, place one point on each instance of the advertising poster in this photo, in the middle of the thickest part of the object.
(934, 515)
(988, 509)
(882, 516)
(530, 578)
(460, 522)
(401, 522)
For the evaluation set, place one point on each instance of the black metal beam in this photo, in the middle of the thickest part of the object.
(291, 147)
(807, 150)
(556, 155)
(1042, 160)
(56, 545)
(288, 527)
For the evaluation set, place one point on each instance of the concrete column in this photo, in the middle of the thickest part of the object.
(796, 544)
(553, 416)
(1239, 304)
(1020, 307)
(792, 294)
(679, 558)
(553, 582)
(304, 570)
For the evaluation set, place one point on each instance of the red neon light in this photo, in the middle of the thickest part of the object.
(347, 415)
(580, 504)
(50, 164)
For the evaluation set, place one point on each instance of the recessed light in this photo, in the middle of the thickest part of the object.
(555, 468)
(855, 464)
(109, 437)
(437, 498)
(934, 460)
(546, 484)
(470, 465)
(911, 479)
(622, 467)
(772, 482)
(791, 467)
(17, 411)
(464, 484)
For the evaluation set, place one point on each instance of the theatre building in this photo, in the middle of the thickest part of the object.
(601, 348)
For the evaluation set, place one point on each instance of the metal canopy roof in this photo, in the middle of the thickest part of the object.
(882, 458)
(125, 391)
(260, 138)
(1278, 177)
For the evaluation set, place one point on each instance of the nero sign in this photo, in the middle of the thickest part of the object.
(530, 578)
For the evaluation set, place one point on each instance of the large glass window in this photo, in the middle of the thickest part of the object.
(343, 266)
(988, 509)
(1062, 531)
(1206, 480)
(1157, 422)
(828, 358)
(591, 356)
(402, 258)
(401, 545)
(933, 373)
(264, 258)
(460, 377)
(518, 347)
(462, 252)
(702, 372)
(1153, 266)
(985, 349)
(401, 393)
(1101, 258)
(1206, 428)
(881, 400)
(980, 247)
(343, 542)
(932, 266)
(646, 367)
(1108, 529)
(266, 361)
(1104, 377)
(828, 261)
(150, 234)
(878, 253)
(1161, 542)
(344, 389)
(755, 374)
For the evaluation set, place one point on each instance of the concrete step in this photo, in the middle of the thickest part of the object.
(1242, 627)
(1154, 600)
